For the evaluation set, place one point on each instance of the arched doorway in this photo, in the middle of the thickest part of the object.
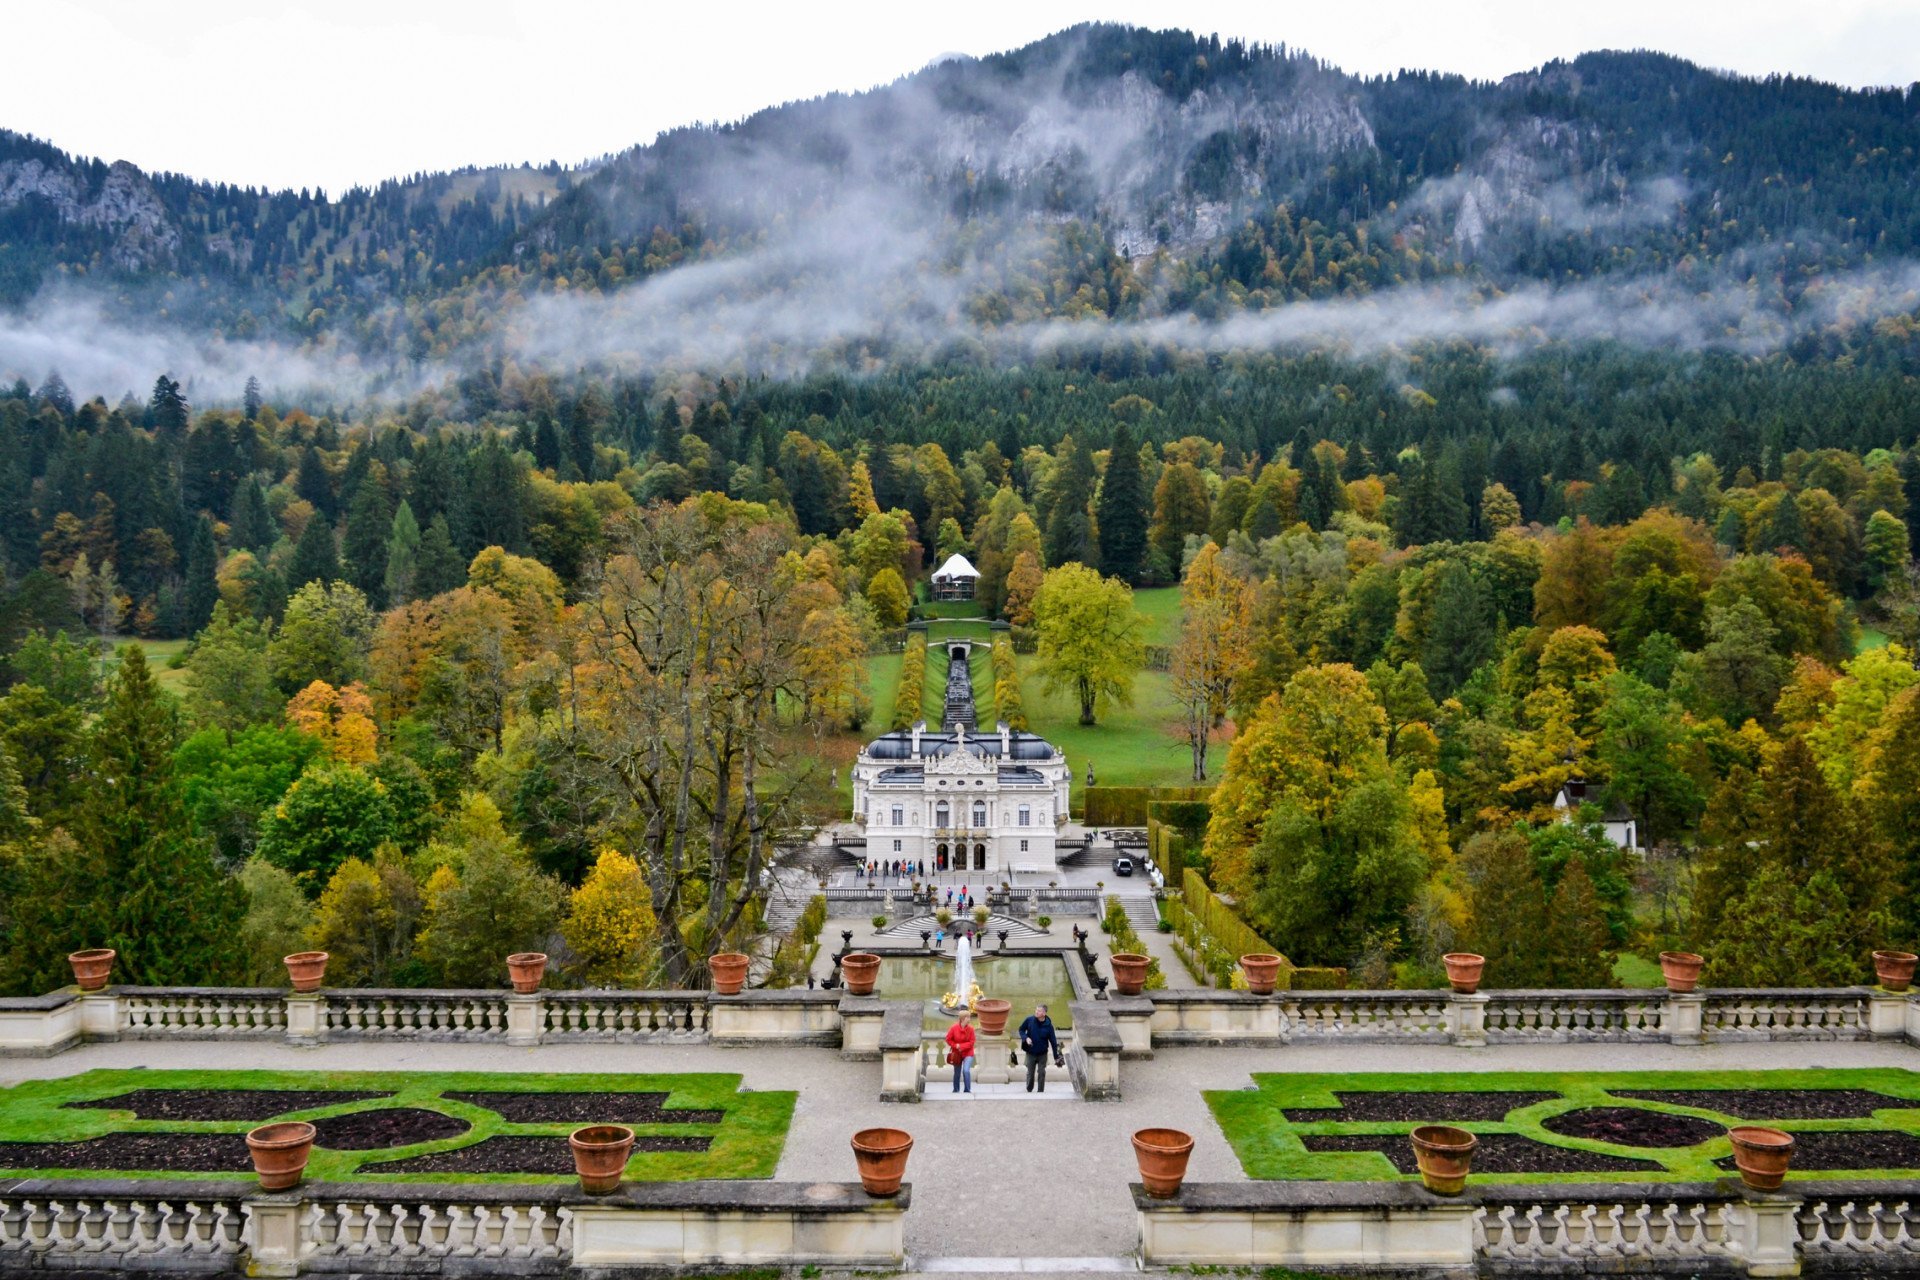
(940, 856)
(979, 857)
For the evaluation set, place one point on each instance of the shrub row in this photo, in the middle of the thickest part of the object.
(1219, 919)
(1130, 806)
(1007, 703)
(913, 679)
(1121, 937)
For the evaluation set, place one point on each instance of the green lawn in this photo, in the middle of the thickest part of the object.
(1161, 605)
(1631, 970)
(1870, 638)
(746, 1141)
(160, 654)
(1140, 745)
(1269, 1145)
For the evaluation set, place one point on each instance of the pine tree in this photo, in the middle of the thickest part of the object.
(251, 400)
(364, 545)
(313, 483)
(1069, 527)
(167, 409)
(403, 557)
(203, 562)
(1507, 908)
(440, 567)
(315, 558)
(1123, 509)
(250, 527)
(1578, 944)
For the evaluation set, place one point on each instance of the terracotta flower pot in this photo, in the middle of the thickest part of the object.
(280, 1153)
(1262, 971)
(1162, 1155)
(1894, 969)
(881, 1155)
(600, 1154)
(1445, 1156)
(526, 968)
(729, 970)
(1129, 972)
(1681, 969)
(308, 969)
(92, 968)
(1463, 971)
(860, 968)
(1761, 1155)
(993, 1015)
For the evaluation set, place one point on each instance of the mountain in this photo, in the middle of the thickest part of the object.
(994, 206)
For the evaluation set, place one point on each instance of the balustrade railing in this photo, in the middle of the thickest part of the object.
(1363, 1015)
(1786, 1013)
(1518, 1017)
(623, 1015)
(203, 1013)
(1868, 1225)
(400, 1228)
(426, 1015)
(51, 1230)
(1547, 1231)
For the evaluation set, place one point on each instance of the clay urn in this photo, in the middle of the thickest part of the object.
(600, 1154)
(1681, 969)
(1129, 972)
(526, 968)
(1162, 1155)
(308, 969)
(1445, 1156)
(1761, 1155)
(280, 1153)
(1894, 969)
(729, 969)
(1262, 970)
(860, 969)
(993, 1015)
(1463, 971)
(92, 968)
(881, 1155)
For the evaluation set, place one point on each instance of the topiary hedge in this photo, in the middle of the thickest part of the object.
(913, 679)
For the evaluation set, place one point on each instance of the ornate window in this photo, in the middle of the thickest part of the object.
(979, 814)
(940, 815)
(1026, 816)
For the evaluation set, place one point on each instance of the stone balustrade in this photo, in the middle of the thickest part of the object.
(1615, 1228)
(227, 1228)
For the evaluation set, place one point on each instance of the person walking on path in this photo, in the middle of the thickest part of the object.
(960, 1052)
(1039, 1041)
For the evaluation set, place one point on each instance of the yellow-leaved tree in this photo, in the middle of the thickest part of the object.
(610, 922)
(342, 719)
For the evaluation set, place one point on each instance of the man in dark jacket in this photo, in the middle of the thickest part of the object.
(1039, 1041)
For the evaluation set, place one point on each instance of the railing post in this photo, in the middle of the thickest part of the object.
(523, 1018)
(100, 1015)
(275, 1248)
(305, 1017)
(1886, 1014)
(1467, 1020)
(1766, 1233)
(1913, 1018)
(1685, 1017)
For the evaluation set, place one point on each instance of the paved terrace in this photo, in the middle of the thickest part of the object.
(996, 1181)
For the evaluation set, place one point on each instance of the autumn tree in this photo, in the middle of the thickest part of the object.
(341, 720)
(1213, 651)
(1091, 640)
(887, 597)
(610, 922)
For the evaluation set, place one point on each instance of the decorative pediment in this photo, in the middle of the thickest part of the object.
(962, 764)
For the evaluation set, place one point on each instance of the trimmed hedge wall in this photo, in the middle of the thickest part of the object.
(913, 679)
(1130, 806)
(1219, 919)
(1319, 979)
(1007, 703)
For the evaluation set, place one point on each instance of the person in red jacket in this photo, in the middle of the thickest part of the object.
(960, 1052)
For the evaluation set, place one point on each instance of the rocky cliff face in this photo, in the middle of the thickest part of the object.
(125, 206)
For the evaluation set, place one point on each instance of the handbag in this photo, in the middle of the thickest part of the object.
(953, 1059)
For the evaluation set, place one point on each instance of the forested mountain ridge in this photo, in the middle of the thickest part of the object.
(1104, 173)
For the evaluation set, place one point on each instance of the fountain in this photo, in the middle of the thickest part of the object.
(965, 990)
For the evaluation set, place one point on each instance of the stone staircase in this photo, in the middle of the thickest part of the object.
(1140, 911)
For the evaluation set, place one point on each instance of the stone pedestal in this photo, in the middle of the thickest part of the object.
(524, 1018)
(1133, 1019)
(275, 1247)
(1467, 1020)
(902, 1075)
(1765, 1233)
(100, 1016)
(1685, 1010)
(990, 1059)
(1887, 1014)
(860, 1021)
(305, 1017)
(1913, 1018)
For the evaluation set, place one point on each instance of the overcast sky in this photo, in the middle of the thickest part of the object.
(290, 93)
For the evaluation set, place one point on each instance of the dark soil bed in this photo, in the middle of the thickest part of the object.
(1866, 1151)
(1774, 1104)
(519, 1155)
(1633, 1127)
(135, 1153)
(1498, 1153)
(586, 1108)
(394, 1127)
(224, 1104)
(1434, 1108)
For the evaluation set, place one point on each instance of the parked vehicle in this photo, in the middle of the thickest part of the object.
(1123, 866)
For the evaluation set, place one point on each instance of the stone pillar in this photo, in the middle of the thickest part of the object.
(1765, 1233)
(305, 1017)
(990, 1059)
(100, 1015)
(524, 1018)
(1685, 1011)
(275, 1249)
(1133, 1019)
(1467, 1020)
(902, 1074)
(1886, 1014)
(1913, 1018)
(860, 1020)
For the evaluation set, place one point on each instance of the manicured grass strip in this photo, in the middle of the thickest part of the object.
(747, 1141)
(1269, 1146)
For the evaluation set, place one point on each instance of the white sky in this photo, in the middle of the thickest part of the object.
(287, 93)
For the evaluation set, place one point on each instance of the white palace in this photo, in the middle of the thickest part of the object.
(957, 800)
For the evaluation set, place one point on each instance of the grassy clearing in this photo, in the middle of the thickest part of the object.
(1268, 1144)
(1161, 606)
(1137, 746)
(1870, 638)
(1631, 970)
(746, 1143)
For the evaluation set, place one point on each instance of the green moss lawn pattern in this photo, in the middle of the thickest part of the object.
(746, 1143)
(1268, 1144)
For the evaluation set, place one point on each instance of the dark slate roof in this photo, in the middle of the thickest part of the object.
(898, 745)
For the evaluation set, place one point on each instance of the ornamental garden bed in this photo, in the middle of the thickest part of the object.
(388, 1126)
(1543, 1127)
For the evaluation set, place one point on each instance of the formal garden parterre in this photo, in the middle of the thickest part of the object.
(389, 1126)
(1572, 1127)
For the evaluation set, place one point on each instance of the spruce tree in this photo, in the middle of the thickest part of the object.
(1123, 510)
(167, 409)
(1460, 634)
(315, 558)
(313, 483)
(1578, 944)
(364, 545)
(251, 400)
(440, 567)
(1069, 527)
(250, 527)
(202, 590)
(403, 557)
(1507, 908)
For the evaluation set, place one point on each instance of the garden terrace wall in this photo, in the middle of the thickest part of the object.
(1839, 1228)
(233, 1228)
